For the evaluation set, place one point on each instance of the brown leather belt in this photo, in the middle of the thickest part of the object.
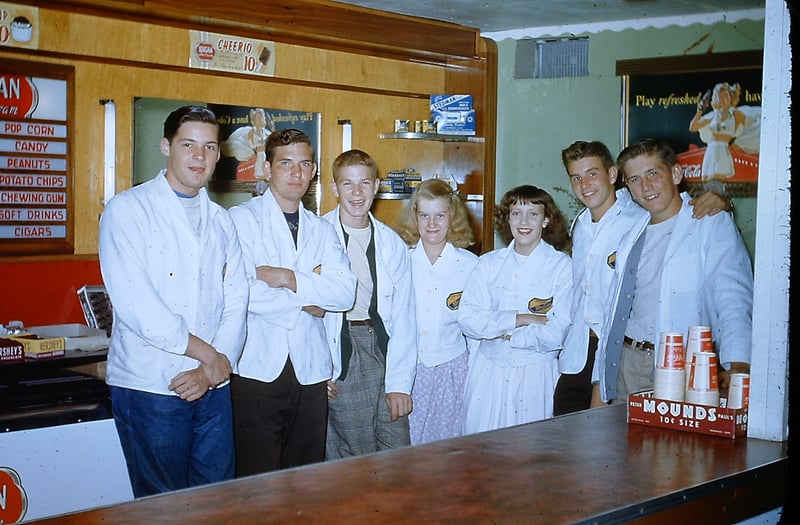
(360, 322)
(644, 346)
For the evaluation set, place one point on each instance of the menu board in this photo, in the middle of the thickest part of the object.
(35, 178)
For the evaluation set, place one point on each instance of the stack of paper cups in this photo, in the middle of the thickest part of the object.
(703, 389)
(739, 391)
(670, 372)
(699, 340)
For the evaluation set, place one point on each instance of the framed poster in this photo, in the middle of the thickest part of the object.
(708, 107)
(36, 200)
(243, 134)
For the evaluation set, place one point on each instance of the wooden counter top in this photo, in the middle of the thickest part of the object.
(585, 467)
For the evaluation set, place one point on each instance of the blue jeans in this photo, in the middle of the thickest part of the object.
(172, 444)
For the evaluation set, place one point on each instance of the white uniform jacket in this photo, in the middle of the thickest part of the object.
(277, 327)
(597, 251)
(499, 288)
(395, 304)
(166, 282)
(707, 280)
(440, 286)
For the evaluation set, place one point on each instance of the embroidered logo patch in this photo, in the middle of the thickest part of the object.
(318, 269)
(453, 300)
(540, 306)
(611, 261)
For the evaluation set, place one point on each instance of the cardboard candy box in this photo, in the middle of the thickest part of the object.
(11, 351)
(645, 409)
(453, 114)
(36, 347)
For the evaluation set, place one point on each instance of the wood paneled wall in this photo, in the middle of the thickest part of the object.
(118, 56)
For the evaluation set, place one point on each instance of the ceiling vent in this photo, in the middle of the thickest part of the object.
(552, 58)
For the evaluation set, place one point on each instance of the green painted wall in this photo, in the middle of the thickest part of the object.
(537, 118)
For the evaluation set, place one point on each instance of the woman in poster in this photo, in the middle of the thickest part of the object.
(247, 142)
(718, 129)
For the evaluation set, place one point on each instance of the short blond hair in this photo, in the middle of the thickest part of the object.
(459, 233)
(354, 157)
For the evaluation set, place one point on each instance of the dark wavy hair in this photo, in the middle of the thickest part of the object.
(188, 114)
(647, 146)
(556, 233)
(285, 137)
(460, 232)
(582, 149)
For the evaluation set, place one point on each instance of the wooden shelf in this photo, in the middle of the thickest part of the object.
(392, 196)
(400, 196)
(431, 136)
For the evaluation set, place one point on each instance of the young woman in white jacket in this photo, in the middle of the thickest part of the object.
(517, 303)
(436, 227)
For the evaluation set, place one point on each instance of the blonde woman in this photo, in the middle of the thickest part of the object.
(718, 128)
(436, 227)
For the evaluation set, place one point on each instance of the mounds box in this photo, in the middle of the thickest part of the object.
(76, 336)
(11, 351)
(453, 114)
(645, 409)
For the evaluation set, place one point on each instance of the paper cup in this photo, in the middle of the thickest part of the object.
(703, 388)
(739, 391)
(668, 383)
(670, 351)
(708, 397)
(698, 340)
(703, 372)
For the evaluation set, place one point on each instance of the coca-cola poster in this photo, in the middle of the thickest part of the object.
(708, 107)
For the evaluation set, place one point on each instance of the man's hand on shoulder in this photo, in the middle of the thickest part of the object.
(709, 204)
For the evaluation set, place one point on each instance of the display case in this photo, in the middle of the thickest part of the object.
(51, 392)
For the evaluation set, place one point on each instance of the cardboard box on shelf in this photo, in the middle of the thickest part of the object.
(11, 351)
(453, 114)
(37, 347)
(76, 336)
(645, 409)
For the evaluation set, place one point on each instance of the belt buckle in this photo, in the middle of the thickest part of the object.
(642, 347)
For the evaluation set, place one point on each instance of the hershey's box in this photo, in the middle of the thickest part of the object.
(453, 114)
(11, 351)
(646, 409)
(36, 347)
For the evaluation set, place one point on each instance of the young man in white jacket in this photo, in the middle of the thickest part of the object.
(370, 397)
(173, 269)
(602, 237)
(681, 272)
(297, 271)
